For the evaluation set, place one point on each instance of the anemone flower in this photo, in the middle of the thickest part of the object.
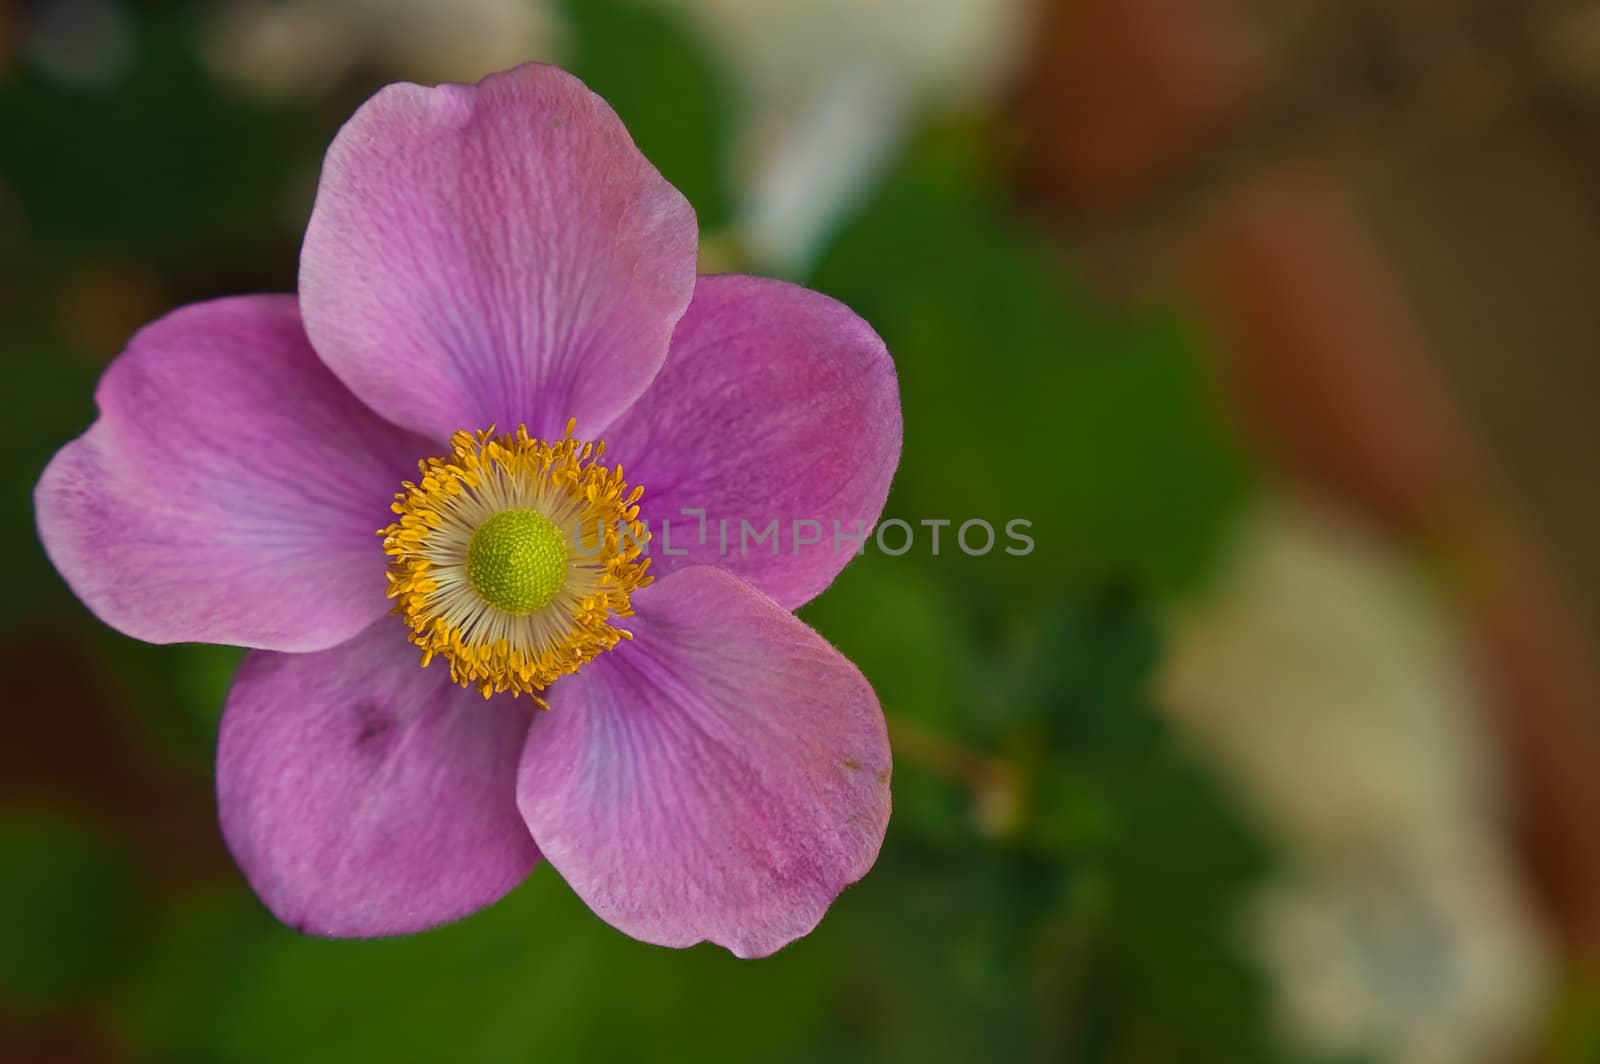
(485, 268)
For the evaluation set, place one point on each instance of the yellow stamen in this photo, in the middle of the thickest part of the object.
(511, 555)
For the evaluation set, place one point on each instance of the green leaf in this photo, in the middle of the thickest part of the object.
(67, 904)
(536, 976)
(1025, 399)
(165, 162)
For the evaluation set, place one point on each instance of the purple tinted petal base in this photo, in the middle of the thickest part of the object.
(721, 777)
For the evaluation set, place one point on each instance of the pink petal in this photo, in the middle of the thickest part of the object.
(776, 404)
(499, 254)
(363, 795)
(231, 488)
(722, 777)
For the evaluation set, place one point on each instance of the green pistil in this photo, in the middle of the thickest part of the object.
(517, 561)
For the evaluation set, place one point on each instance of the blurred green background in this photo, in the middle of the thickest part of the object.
(1070, 874)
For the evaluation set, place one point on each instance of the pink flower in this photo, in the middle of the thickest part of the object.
(502, 255)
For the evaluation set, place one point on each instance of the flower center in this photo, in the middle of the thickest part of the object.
(512, 555)
(517, 560)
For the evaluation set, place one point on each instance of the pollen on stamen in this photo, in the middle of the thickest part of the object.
(512, 555)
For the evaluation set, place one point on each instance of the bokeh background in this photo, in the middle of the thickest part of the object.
(1277, 318)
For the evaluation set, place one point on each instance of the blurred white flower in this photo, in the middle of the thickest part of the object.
(1408, 957)
(830, 89)
(946, 50)
(302, 47)
(1332, 692)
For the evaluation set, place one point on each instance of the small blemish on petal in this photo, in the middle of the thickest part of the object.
(372, 727)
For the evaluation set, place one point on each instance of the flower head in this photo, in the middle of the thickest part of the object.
(497, 309)
(512, 556)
